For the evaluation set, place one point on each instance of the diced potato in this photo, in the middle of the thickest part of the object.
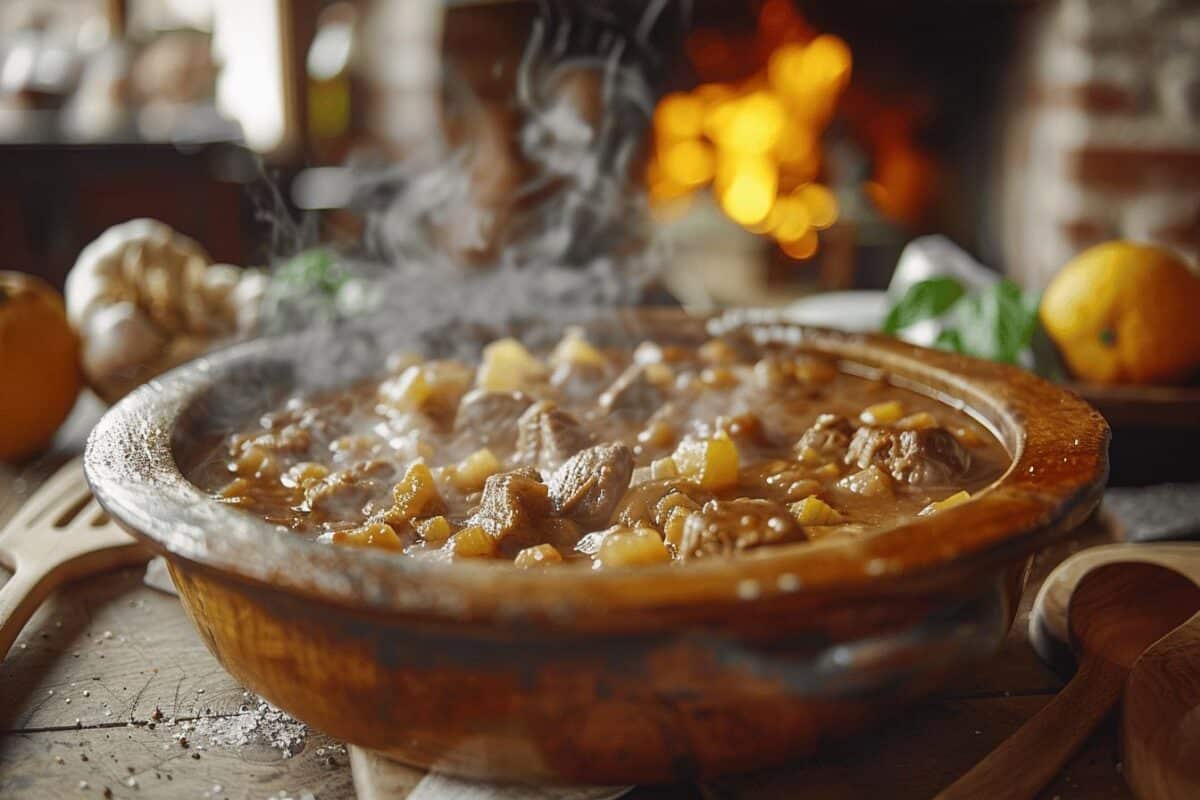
(409, 390)
(828, 471)
(812, 510)
(470, 474)
(542, 555)
(623, 547)
(814, 370)
(416, 495)
(304, 474)
(507, 366)
(810, 456)
(434, 530)
(399, 361)
(956, 499)
(472, 542)
(772, 373)
(869, 482)
(574, 348)
(255, 462)
(918, 422)
(967, 437)
(717, 351)
(670, 502)
(658, 434)
(884, 413)
(746, 426)
(663, 468)
(718, 377)
(677, 519)
(659, 374)
(375, 534)
(713, 463)
(798, 490)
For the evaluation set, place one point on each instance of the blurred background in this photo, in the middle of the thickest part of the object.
(794, 145)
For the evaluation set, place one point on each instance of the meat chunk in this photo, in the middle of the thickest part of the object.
(512, 505)
(871, 445)
(829, 435)
(590, 484)
(347, 492)
(434, 388)
(491, 417)
(930, 456)
(725, 527)
(632, 393)
(547, 436)
(644, 504)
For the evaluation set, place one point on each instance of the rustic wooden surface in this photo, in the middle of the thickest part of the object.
(132, 650)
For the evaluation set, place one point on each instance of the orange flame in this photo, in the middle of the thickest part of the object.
(756, 142)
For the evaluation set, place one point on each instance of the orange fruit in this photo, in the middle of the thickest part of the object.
(39, 365)
(1122, 312)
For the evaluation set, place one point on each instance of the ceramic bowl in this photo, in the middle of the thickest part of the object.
(626, 676)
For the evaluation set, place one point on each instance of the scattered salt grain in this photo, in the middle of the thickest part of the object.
(262, 723)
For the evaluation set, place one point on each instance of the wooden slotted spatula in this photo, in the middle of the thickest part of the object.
(60, 534)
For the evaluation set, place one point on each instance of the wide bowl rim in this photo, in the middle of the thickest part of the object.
(1055, 480)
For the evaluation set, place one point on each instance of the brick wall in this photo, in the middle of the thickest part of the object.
(1103, 137)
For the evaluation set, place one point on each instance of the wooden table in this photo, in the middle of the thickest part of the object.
(80, 690)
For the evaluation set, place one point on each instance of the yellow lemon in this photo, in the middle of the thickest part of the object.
(1122, 312)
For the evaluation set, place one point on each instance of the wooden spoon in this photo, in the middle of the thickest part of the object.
(1116, 612)
(1048, 621)
(58, 535)
(1160, 731)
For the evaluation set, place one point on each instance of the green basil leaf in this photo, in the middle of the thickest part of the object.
(316, 270)
(998, 323)
(949, 340)
(923, 300)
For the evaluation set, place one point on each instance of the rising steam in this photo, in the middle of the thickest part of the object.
(545, 221)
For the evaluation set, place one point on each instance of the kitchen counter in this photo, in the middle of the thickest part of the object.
(109, 674)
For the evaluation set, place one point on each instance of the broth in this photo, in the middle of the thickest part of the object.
(614, 457)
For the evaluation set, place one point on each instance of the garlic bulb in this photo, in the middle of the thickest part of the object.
(144, 298)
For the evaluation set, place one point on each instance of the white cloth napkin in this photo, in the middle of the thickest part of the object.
(864, 310)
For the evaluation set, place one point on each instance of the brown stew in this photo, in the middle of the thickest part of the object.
(609, 456)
